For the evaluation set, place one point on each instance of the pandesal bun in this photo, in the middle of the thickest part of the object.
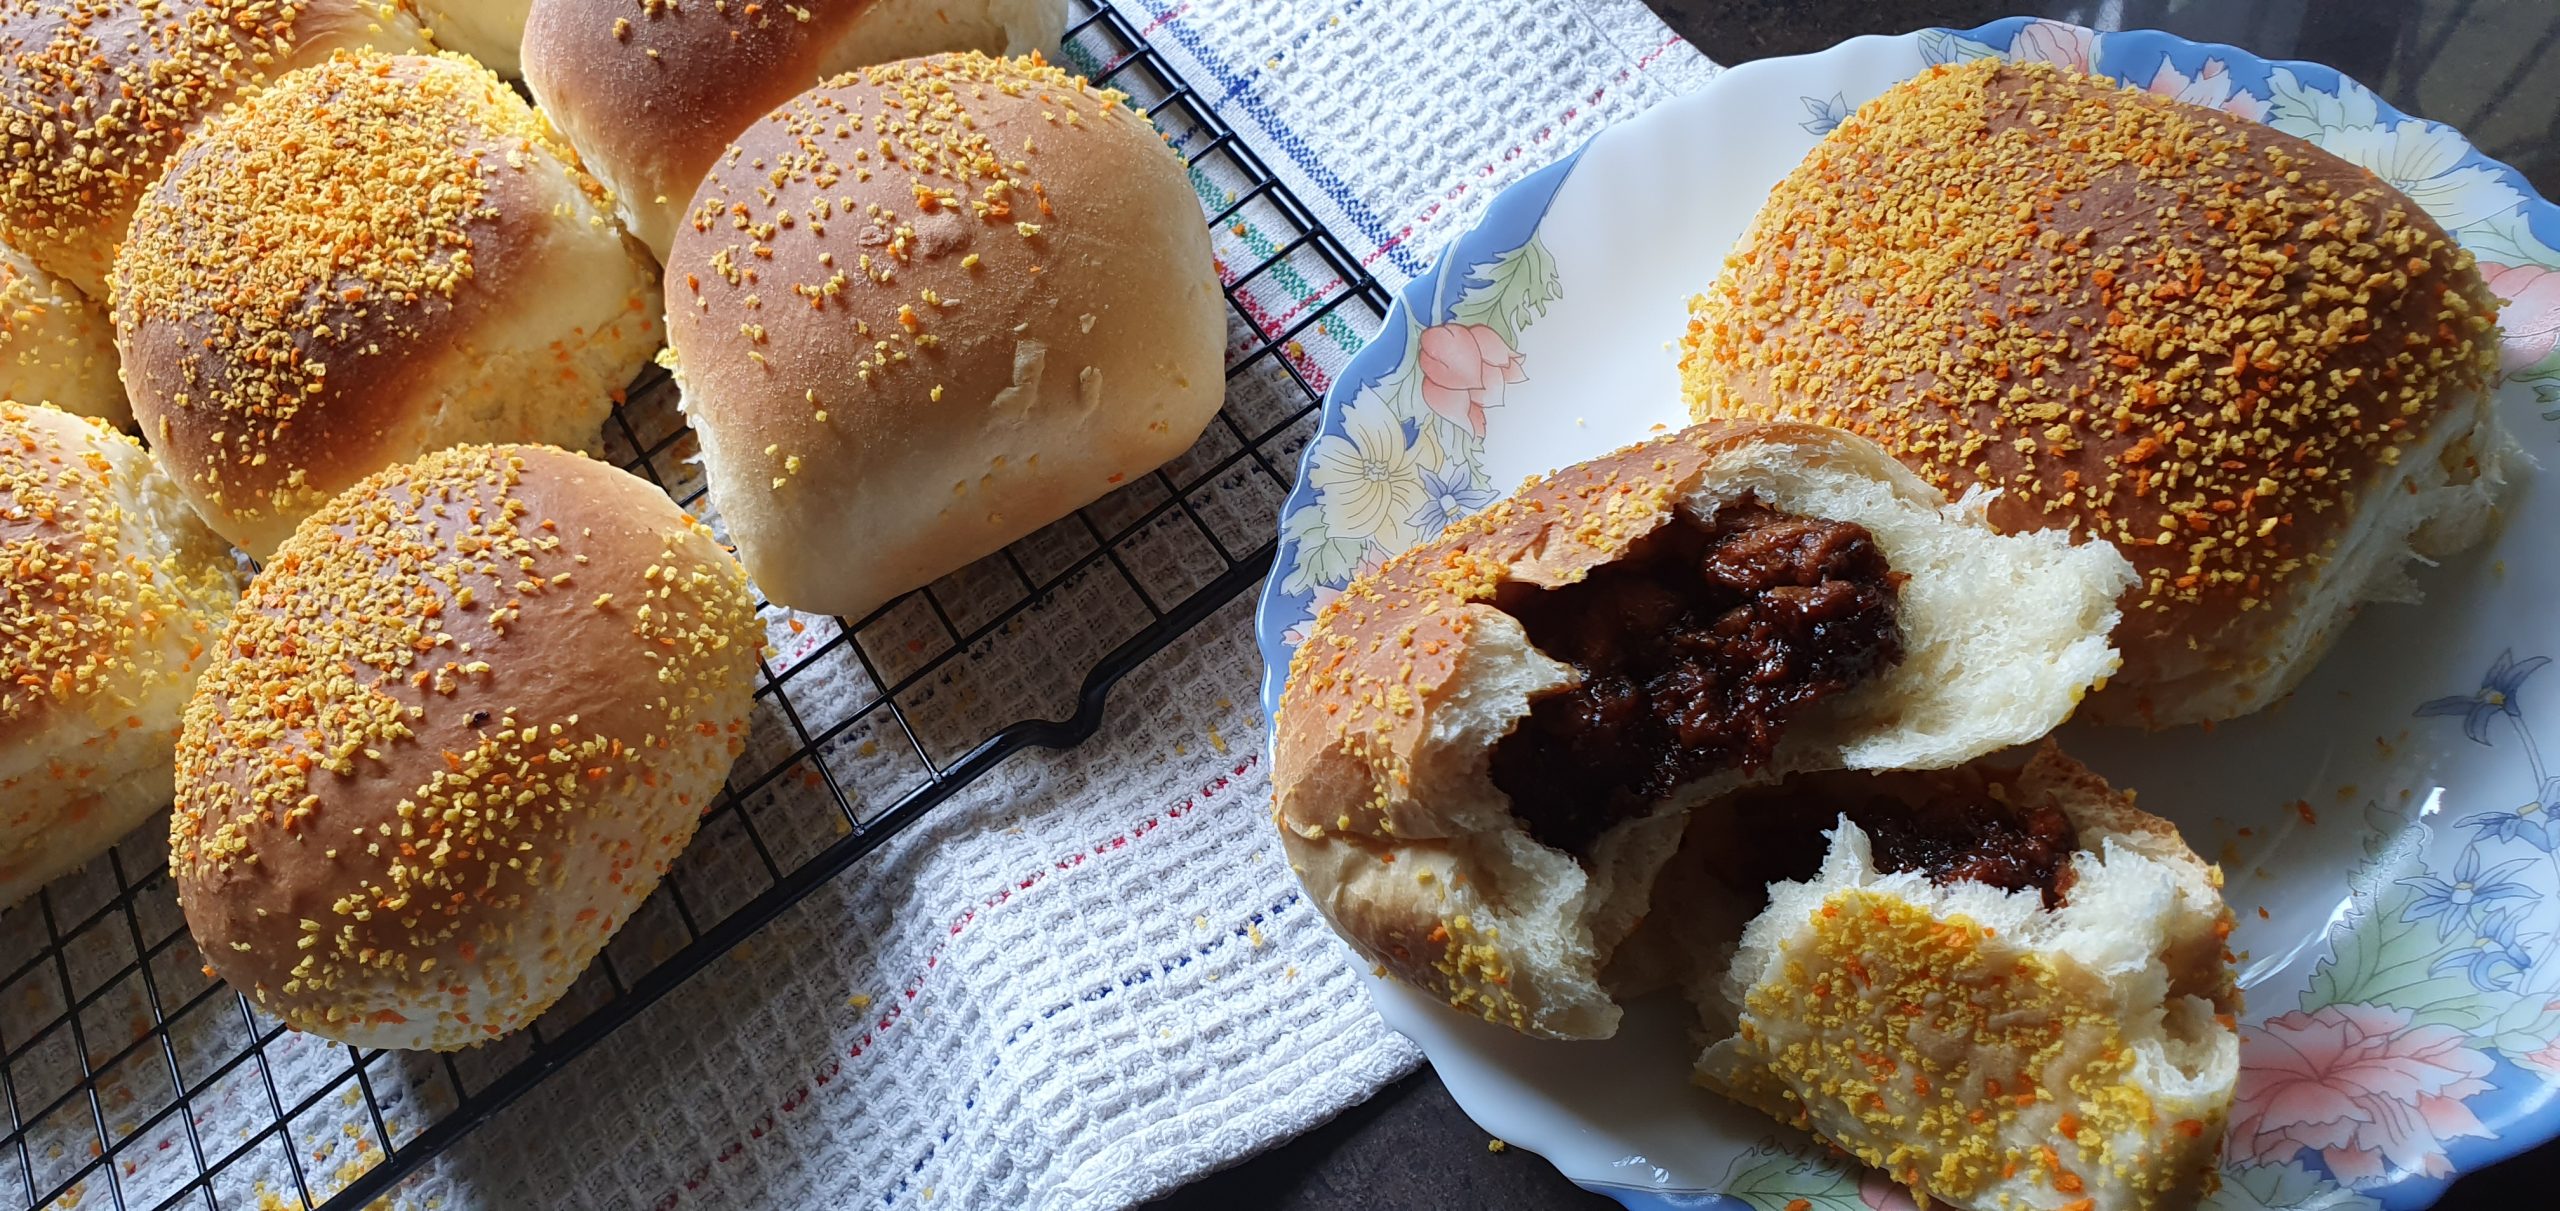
(2259, 370)
(2064, 1043)
(373, 258)
(56, 346)
(96, 95)
(464, 720)
(1391, 733)
(112, 598)
(651, 94)
(925, 309)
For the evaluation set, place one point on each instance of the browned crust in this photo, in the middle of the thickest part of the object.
(138, 78)
(461, 722)
(661, 87)
(274, 360)
(2185, 333)
(1390, 650)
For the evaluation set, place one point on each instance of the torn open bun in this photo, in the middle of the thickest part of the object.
(2004, 985)
(1486, 749)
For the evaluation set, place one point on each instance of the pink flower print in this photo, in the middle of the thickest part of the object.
(2375, 1096)
(1881, 1193)
(2054, 42)
(2529, 320)
(2210, 87)
(1465, 370)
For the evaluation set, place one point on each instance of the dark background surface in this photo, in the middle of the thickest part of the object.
(2489, 67)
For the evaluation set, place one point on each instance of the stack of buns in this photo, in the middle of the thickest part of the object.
(366, 304)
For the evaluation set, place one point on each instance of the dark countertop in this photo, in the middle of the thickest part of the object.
(2465, 62)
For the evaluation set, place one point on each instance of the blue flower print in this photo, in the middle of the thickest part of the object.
(1449, 493)
(2494, 959)
(2455, 904)
(1826, 115)
(2530, 823)
(2496, 696)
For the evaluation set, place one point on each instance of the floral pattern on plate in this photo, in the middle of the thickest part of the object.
(2413, 1033)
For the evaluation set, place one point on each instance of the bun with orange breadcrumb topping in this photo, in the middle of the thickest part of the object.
(2257, 369)
(56, 346)
(1487, 748)
(373, 258)
(112, 596)
(935, 306)
(462, 723)
(96, 95)
(651, 91)
(2003, 985)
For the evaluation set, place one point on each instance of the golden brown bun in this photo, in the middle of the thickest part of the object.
(1384, 737)
(652, 93)
(1977, 1046)
(2256, 368)
(491, 31)
(56, 346)
(95, 95)
(463, 721)
(931, 355)
(112, 596)
(373, 258)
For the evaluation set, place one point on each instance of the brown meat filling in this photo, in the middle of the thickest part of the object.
(1949, 827)
(1695, 651)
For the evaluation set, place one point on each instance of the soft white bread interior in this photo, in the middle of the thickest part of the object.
(1976, 1045)
(112, 598)
(56, 346)
(651, 94)
(1395, 704)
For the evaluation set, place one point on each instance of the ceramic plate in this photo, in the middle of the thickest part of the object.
(2387, 832)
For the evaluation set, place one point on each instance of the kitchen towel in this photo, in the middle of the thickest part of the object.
(1088, 978)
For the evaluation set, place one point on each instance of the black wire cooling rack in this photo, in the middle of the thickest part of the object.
(134, 1080)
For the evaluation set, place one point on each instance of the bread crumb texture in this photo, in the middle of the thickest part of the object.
(311, 254)
(2146, 321)
(107, 612)
(96, 94)
(55, 346)
(2043, 1110)
(463, 722)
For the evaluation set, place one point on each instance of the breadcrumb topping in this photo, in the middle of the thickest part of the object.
(551, 746)
(2189, 335)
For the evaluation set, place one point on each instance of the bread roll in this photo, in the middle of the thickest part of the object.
(1454, 795)
(374, 258)
(112, 596)
(491, 31)
(651, 94)
(96, 95)
(464, 720)
(2257, 369)
(56, 346)
(2004, 985)
(924, 310)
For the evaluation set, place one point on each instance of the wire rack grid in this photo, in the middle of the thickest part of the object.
(135, 1080)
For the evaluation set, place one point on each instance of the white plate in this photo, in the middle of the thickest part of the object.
(2387, 832)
